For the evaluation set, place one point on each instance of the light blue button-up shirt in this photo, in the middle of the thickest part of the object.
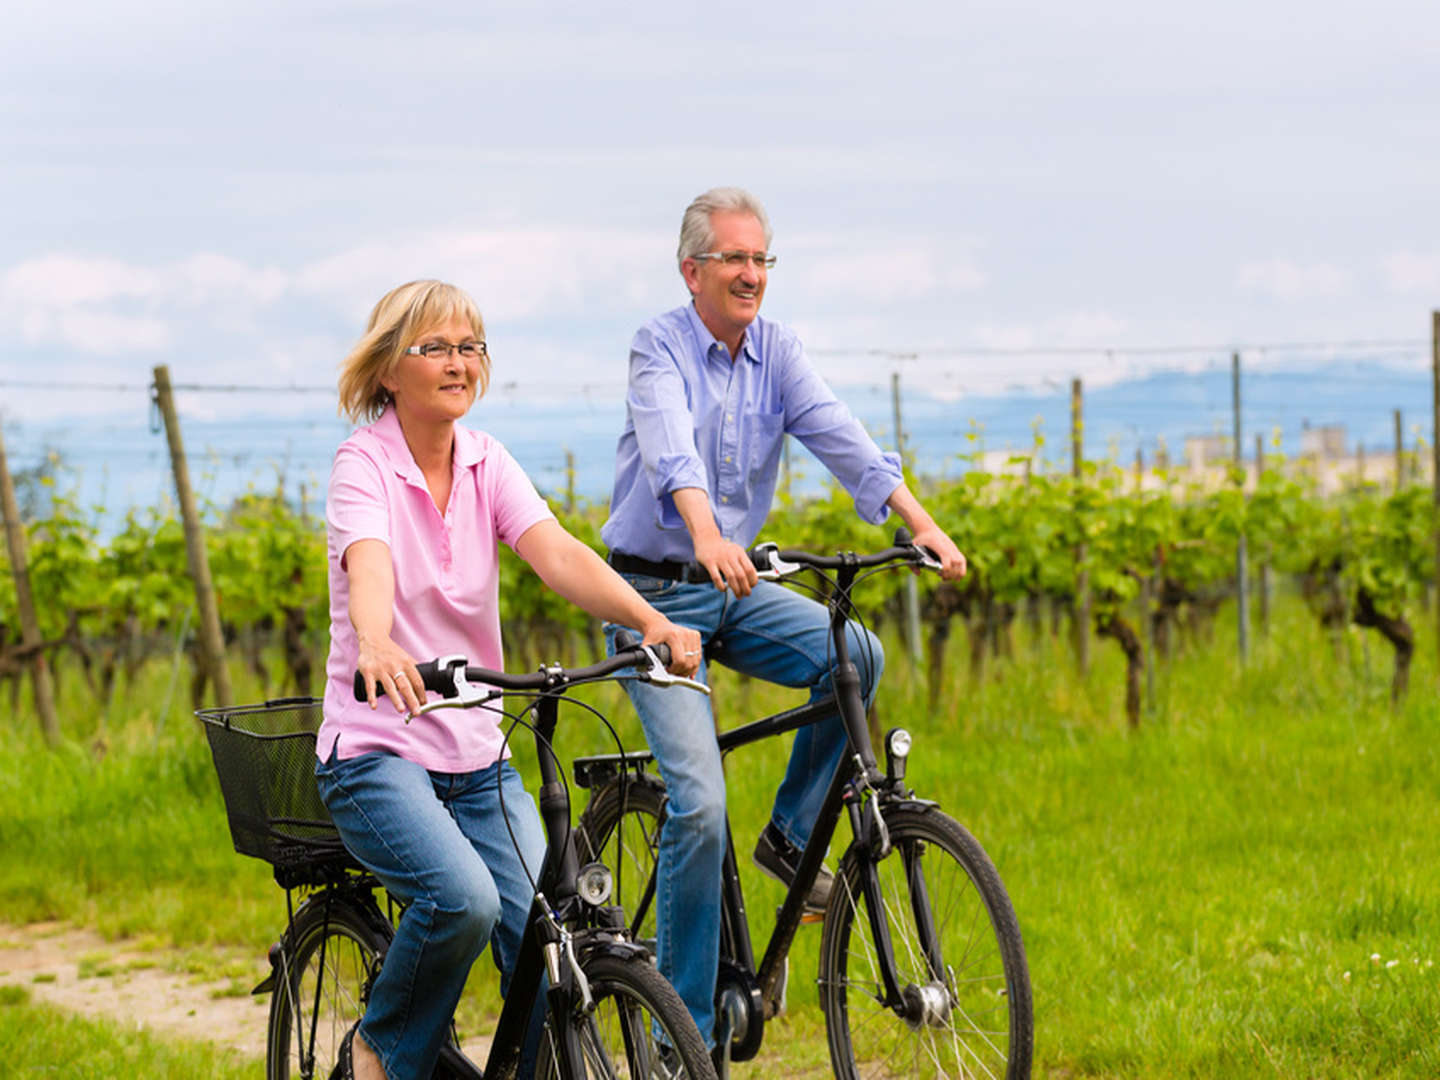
(694, 419)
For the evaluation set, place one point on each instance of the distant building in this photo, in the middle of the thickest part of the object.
(1203, 450)
(1005, 462)
(1322, 441)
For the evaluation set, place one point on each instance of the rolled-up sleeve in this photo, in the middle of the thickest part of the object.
(830, 431)
(664, 426)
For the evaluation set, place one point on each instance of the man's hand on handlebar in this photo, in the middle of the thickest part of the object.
(952, 560)
(729, 564)
(683, 642)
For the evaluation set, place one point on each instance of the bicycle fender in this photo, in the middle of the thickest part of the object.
(617, 948)
(922, 806)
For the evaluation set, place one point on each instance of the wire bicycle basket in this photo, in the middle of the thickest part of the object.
(265, 758)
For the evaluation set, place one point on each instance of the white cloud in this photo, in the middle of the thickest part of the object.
(104, 306)
(1287, 279)
(61, 281)
(1407, 272)
(107, 307)
(1091, 328)
(106, 333)
(1006, 337)
(512, 273)
(879, 274)
(209, 278)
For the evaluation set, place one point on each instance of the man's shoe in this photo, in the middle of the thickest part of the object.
(345, 1065)
(779, 858)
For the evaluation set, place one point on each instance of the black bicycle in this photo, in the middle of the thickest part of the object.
(610, 1013)
(922, 968)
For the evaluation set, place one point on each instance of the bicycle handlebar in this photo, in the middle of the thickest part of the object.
(770, 561)
(452, 678)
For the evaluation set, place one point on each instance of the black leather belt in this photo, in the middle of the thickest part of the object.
(670, 571)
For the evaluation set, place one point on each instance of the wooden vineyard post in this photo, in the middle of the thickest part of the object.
(212, 644)
(1435, 463)
(912, 591)
(25, 601)
(1082, 577)
(1242, 589)
(1265, 559)
(1399, 452)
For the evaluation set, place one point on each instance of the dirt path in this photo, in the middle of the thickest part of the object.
(78, 970)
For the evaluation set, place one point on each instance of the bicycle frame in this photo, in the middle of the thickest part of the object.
(853, 777)
(548, 945)
(857, 774)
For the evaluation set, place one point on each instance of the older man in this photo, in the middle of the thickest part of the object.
(713, 391)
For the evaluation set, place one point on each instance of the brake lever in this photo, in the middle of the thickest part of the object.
(466, 695)
(658, 676)
(927, 558)
(778, 567)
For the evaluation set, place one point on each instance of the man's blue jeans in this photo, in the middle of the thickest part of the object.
(772, 634)
(439, 843)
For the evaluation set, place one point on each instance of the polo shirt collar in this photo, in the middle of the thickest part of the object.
(469, 449)
(708, 340)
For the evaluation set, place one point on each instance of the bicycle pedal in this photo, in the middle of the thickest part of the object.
(807, 915)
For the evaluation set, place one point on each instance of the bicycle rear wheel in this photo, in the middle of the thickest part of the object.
(959, 961)
(639, 1029)
(328, 961)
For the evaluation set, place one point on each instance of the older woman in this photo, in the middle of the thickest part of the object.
(417, 508)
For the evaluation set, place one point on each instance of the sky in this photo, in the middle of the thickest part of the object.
(976, 195)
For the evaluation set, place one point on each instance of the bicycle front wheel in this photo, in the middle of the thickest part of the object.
(621, 828)
(327, 962)
(964, 1008)
(639, 1028)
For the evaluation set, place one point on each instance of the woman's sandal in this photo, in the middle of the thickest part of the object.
(345, 1060)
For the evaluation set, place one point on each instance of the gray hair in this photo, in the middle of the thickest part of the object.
(696, 235)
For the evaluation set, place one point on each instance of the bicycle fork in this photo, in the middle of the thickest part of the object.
(926, 1005)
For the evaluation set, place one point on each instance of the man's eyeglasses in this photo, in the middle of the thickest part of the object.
(468, 350)
(760, 259)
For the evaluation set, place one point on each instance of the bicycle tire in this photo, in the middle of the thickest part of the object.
(636, 1014)
(329, 959)
(621, 828)
(975, 1019)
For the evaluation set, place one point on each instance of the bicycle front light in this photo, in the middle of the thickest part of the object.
(897, 749)
(594, 883)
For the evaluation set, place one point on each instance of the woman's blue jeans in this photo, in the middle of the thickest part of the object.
(439, 843)
(772, 634)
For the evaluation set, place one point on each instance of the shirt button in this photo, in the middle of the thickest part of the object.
(729, 416)
(728, 459)
(725, 498)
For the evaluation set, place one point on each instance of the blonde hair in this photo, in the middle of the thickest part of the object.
(401, 316)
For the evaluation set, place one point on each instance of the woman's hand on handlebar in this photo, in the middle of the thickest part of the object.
(684, 645)
(388, 670)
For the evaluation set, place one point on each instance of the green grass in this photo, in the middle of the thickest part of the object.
(1247, 885)
(41, 1041)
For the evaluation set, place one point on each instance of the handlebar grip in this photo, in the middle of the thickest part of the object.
(430, 673)
(903, 537)
(625, 639)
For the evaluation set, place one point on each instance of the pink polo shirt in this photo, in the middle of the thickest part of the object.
(446, 585)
